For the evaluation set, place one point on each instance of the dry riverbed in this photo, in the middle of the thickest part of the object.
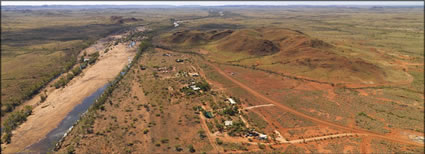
(60, 102)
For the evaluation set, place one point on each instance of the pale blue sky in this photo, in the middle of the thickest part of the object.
(212, 3)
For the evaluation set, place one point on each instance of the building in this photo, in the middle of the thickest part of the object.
(176, 24)
(262, 137)
(194, 74)
(231, 101)
(228, 123)
(86, 59)
(194, 87)
(179, 60)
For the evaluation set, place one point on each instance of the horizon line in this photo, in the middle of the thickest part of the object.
(214, 3)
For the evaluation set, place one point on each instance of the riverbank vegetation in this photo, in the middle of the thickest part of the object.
(12, 122)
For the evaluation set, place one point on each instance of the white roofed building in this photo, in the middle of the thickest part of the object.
(231, 101)
(228, 123)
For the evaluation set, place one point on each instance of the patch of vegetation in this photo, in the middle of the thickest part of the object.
(219, 142)
(234, 146)
(191, 148)
(237, 129)
(256, 120)
(13, 121)
(365, 121)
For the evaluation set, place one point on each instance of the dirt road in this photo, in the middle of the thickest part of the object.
(253, 107)
(209, 135)
(326, 123)
(60, 102)
(316, 138)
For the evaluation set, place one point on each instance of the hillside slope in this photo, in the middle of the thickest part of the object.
(280, 50)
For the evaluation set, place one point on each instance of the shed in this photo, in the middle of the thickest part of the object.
(228, 123)
(262, 136)
(194, 87)
(231, 101)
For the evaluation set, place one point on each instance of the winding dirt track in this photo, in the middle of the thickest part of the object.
(353, 130)
(207, 131)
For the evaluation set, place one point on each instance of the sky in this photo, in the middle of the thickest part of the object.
(212, 3)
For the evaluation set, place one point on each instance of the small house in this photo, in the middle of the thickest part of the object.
(194, 87)
(86, 59)
(231, 101)
(262, 137)
(194, 74)
(228, 123)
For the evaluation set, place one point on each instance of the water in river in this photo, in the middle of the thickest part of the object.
(48, 143)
